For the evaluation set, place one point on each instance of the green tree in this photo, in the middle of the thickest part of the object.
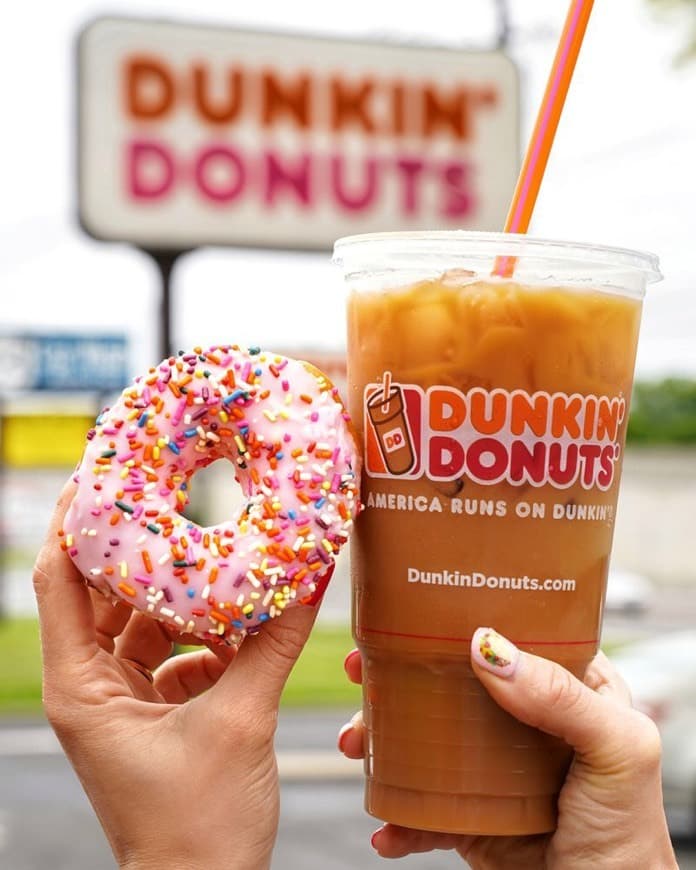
(663, 413)
(684, 11)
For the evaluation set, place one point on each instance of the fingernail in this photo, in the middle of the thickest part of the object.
(349, 658)
(342, 734)
(494, 652)
(372, 838)
(322, 582)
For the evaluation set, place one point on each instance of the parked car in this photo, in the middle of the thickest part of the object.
(661, 673)
(628, 592)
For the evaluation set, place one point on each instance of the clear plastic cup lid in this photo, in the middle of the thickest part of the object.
(540, 261)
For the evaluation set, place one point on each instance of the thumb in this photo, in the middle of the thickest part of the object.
(598, 725)
(264, 661)
(65, 609)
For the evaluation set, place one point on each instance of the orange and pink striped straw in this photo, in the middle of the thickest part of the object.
(539, 148)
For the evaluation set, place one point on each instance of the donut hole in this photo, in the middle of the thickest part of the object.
(214, 494)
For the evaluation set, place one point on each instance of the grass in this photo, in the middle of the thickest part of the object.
(20, 666)
(317, 680)
(14, 557)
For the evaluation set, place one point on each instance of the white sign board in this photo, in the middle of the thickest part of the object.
(198, 135)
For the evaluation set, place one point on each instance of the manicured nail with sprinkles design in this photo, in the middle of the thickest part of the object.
(494, 652)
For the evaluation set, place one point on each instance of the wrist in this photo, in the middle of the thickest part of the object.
(203, 863)
(664, 858)
(168, 863)
(169, 860)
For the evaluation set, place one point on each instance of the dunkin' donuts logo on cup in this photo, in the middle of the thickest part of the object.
(491, 436)
(393, 434)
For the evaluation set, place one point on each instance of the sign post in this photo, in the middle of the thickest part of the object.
(165, 260)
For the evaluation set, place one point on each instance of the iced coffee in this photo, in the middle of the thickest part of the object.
(492, 415)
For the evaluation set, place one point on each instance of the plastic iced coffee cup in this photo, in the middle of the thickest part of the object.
(492, 415)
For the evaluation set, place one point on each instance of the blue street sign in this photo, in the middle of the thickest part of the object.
(65, 361)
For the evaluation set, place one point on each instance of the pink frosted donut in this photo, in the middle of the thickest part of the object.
(282, 424)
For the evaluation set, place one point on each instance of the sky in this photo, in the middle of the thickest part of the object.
(622, 173)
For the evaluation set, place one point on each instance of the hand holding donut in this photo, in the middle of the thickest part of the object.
(174, 784)
(610, 808)
(282, 425)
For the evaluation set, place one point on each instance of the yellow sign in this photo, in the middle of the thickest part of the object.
(34, 440)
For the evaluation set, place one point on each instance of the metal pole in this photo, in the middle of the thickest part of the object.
(504, 25)
(165, 260)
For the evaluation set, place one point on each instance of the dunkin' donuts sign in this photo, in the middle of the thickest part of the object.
(486, 436)
(195, 135)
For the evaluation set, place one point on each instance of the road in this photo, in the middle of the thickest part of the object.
(46, 820)
(674, 609)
